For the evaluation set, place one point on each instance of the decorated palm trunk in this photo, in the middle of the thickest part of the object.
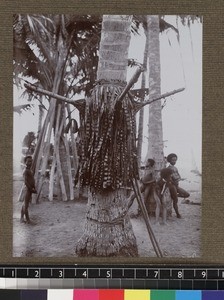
(108, 149)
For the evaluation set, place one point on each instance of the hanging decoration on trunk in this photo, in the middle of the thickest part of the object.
(108, 139)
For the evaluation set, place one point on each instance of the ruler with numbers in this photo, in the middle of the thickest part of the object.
(121, 276)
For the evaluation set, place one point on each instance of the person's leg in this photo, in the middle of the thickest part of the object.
(182, 193)
(173, 193)
(147, 195)
(158, 206)
(22, 214)
(26, 205)
(165, 201)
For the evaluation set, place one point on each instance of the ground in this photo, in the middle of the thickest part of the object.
(58, 225)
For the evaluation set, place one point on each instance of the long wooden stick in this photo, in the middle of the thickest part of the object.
(142, 104)
(146, 218)
(80, 103)
(34, 88)
(133, 80)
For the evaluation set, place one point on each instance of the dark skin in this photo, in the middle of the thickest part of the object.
(30, 189)
(173, 191)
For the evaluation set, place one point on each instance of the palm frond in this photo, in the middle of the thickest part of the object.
(21, 108)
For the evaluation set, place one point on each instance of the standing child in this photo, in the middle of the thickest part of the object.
(29, 189)
(175, 190)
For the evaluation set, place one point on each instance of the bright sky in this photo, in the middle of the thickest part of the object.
(181, 66)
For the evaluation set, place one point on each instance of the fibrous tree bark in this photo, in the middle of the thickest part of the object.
(155, 131)
(108, 152)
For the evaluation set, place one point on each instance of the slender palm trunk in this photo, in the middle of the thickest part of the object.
(141, 113)
(155, 131)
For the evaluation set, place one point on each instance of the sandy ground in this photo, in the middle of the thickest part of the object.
(58, 225)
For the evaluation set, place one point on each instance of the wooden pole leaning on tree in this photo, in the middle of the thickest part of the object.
(146, 218)
(79, 104)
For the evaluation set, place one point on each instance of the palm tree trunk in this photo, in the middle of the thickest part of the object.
(155, 131)
(108, 231)
(141, 113)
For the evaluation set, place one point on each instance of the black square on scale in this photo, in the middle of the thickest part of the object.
(81, 273)
(21, 273)
(211, 284)
(220, 284)
(188, 274)
(153, 273)
(163, 284)
(129, 273)
(186, 284)
(34, 273)
(45, 273)
(57, 273)
(141, 273)
(199, 285)
(165, 274)
(174, 284)
(212, 274)
(117, 273)
(105, 273)
(93, 273)
(10, 273)
(69, 273)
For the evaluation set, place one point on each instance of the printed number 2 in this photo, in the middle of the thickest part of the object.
(36, 273)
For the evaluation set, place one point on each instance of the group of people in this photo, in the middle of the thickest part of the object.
(168, 181)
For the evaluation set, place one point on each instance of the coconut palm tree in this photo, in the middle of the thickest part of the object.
(108, 159)
(155, 132)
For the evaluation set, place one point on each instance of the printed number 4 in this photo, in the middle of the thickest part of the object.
(84, 274)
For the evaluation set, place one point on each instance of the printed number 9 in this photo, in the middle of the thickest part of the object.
(203, 273)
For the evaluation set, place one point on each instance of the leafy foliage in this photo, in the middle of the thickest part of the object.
(37, 46)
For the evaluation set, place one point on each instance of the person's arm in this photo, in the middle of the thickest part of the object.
(148, 182)
(28, 180)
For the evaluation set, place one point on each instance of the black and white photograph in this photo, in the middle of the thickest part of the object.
(107, 135)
